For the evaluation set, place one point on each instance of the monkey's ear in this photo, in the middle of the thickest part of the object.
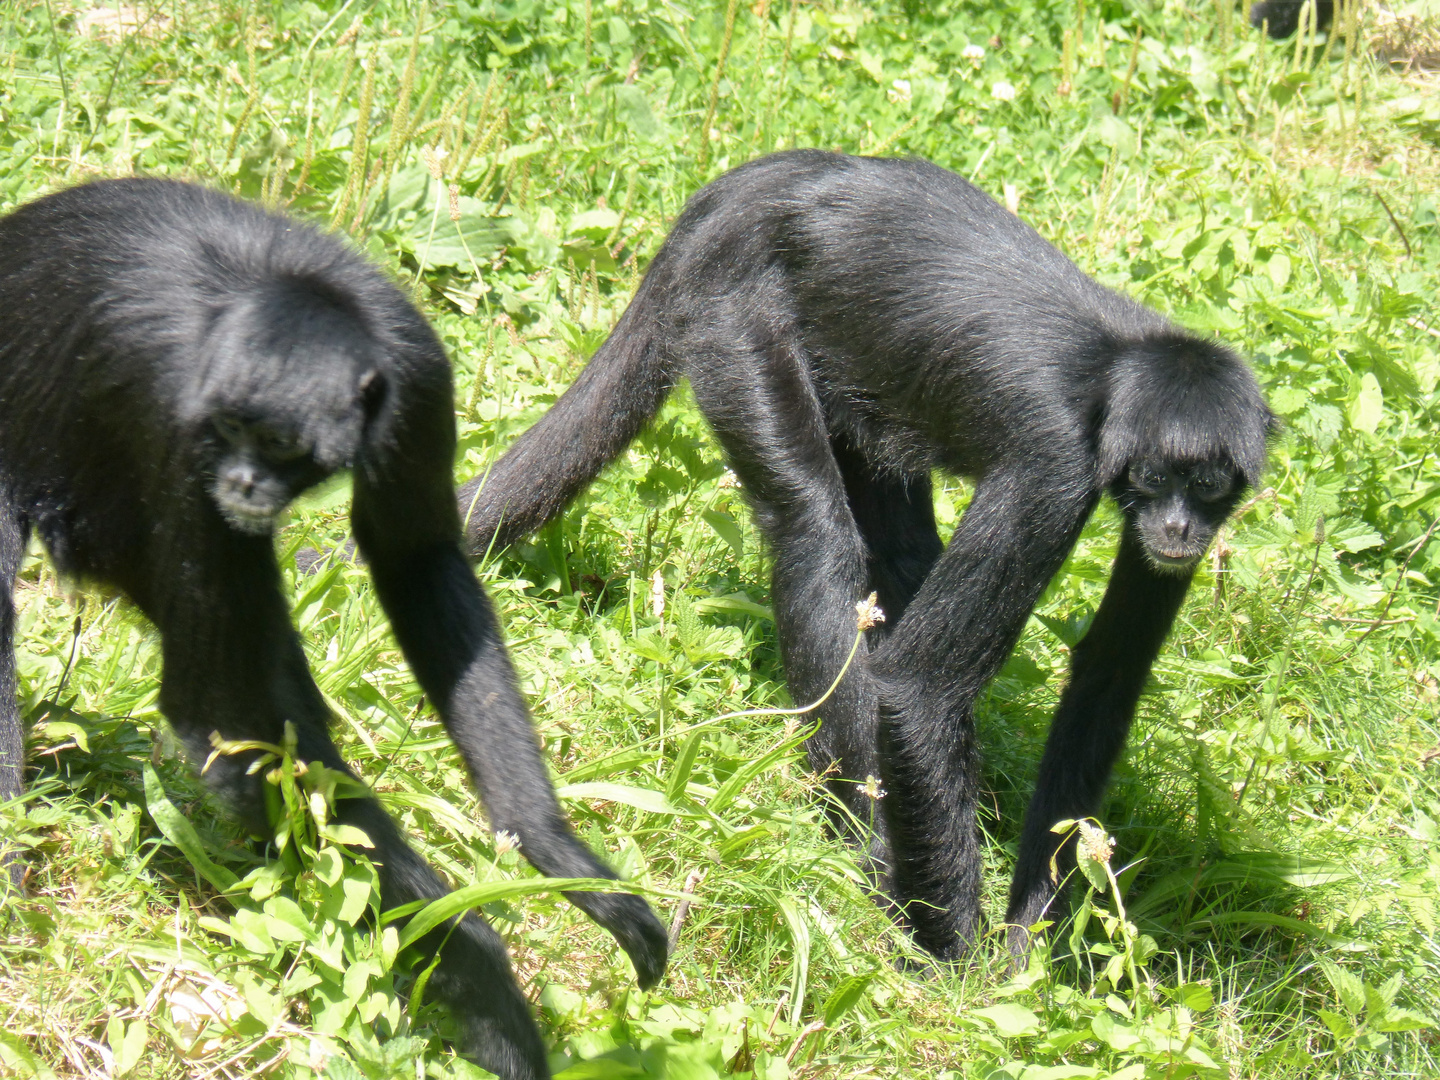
(372, 388)
(1118, 446)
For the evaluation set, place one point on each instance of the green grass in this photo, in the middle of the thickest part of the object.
(1276, 813)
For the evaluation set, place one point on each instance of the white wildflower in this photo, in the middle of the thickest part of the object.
(1003, 91)
(868, 613)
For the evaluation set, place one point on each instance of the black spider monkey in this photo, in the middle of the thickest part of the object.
(849, 324)
(1282, 17)
(176, 366)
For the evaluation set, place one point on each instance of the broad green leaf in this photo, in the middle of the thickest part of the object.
(633, 108)
(126, 1042)
(1197, 997)
(1348, 988)
(1404, 1020)
(1339, 1026)
(347, 901)
(599, 1069)
(59, 730)
(1279, 269)
(725, 528)
(1287, 400)
(1368, 408)
(1011, 1020)
(286, 922)
(17, 1056)
(737, 603)
(1111, 1031)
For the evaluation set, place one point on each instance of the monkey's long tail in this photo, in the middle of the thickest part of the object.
(618, 393)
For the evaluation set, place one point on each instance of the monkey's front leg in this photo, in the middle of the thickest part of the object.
(1107, 673)
(450, 636)
(956, 635)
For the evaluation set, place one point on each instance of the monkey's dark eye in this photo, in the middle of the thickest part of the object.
(231, 428)
(1210, 488)
(280, 445)
(1149, 478)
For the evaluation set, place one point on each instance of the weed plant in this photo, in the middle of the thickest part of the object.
(1269, 906)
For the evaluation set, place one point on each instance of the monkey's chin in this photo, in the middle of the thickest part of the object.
(249, 520)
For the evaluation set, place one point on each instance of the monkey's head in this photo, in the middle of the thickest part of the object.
(1183, 436)
(1177, 506)
(290, 388)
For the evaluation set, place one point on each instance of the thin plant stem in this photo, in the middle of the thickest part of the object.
(715, 82)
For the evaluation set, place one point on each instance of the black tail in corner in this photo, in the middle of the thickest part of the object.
(618, 393)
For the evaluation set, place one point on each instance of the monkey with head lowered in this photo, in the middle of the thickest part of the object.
(175, 367)
(848, 325)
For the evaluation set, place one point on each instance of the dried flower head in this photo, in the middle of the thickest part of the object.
(505, 841)
(657, 594)
(1094, 844)
(434, 158)
(868, 613)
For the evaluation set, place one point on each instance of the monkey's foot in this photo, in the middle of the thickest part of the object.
(634, 926)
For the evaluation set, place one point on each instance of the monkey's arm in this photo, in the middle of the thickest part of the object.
(409, 534)
(1108, 670)
(955, 636)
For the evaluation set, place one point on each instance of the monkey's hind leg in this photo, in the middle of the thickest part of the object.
(765, 413)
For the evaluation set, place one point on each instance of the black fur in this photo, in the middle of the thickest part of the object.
(848, 325)
(1282, 17)
(175, 366)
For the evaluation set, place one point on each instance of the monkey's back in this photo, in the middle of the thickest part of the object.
(931, 318)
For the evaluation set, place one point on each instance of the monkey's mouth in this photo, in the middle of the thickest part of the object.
(251, 518)
(248, 519)
(1178, 558)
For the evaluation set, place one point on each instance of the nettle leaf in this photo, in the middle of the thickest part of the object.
(1011, 1021)
(1348, 988)
(1404, 1020)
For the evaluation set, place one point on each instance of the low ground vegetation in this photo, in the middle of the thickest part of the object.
(1269, 907)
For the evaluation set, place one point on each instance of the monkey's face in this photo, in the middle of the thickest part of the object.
(1177, 507)
(260, 466)
(268, 440)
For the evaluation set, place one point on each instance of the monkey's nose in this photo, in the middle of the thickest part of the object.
(242, 479)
